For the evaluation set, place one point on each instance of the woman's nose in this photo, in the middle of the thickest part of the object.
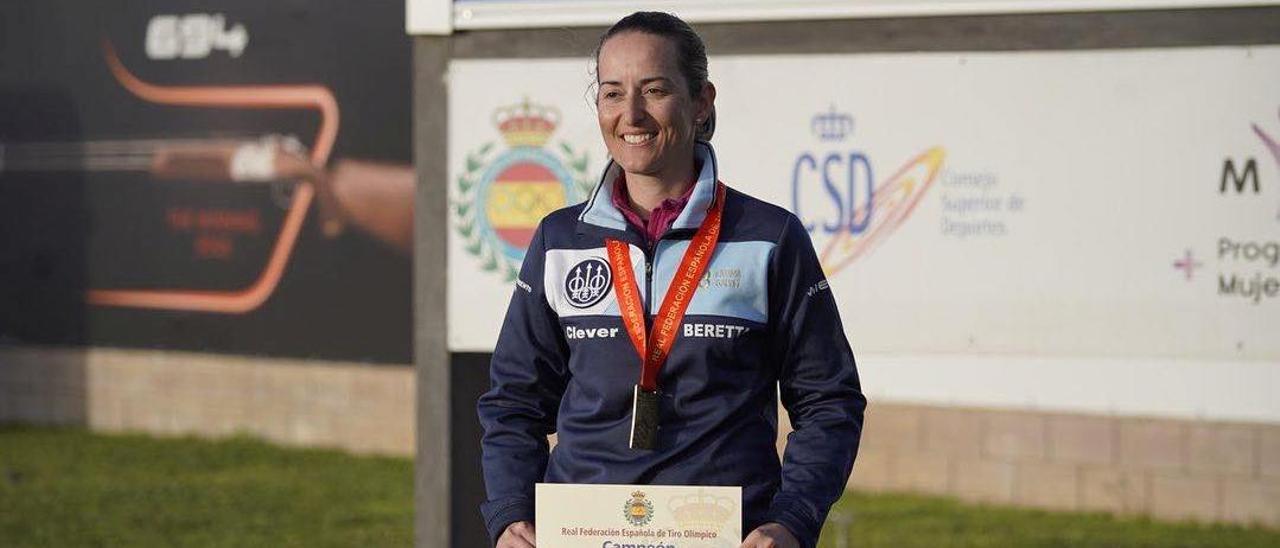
(634, 110)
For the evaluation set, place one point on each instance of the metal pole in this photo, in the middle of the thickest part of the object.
(433, 466)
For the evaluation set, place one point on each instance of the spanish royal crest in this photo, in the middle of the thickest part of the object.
(638, 510)
(500, 198)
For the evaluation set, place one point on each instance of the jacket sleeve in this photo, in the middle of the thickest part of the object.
(819, 387)
(528, 376)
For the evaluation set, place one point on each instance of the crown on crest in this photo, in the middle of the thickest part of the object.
(701, 510)
(832, 125)
(526, 124)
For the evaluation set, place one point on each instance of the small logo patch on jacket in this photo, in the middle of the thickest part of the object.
(588, 282)
(722, 277)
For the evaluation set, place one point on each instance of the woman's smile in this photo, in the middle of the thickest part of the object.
(638, 138)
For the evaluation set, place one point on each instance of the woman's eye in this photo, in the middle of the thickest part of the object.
(656, 91)
(611, 95)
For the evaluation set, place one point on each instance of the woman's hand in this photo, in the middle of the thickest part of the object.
(771, 535)
(517, 535)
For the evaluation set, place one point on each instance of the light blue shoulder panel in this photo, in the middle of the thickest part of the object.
(735, 284)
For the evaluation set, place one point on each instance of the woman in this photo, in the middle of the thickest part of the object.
(621, 276)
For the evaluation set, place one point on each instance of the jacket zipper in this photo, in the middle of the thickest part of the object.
(649, 259)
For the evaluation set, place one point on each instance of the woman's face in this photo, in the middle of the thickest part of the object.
(645, 111)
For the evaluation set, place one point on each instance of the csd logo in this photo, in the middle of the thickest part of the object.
(845, 178)
(587, 283)
(837, 197)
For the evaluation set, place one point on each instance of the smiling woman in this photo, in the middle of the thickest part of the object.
(650, 110)
(664, 250)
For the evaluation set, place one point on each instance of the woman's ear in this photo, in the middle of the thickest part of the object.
(704, 120)
(706, 101)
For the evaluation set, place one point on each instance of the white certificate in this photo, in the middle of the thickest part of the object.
(637, 516)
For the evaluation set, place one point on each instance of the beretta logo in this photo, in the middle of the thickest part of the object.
(501, 198)
(587, 283)
(638, 510)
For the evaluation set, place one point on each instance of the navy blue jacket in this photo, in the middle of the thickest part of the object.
(763, 319)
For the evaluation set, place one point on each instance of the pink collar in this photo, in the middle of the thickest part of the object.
(660, 219)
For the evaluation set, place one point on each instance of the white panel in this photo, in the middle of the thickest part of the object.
(1040, 204)
(579, 282)
(1068, 185)
(428, 17)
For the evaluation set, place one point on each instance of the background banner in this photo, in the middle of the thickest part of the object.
(225, 176)
(978, 214)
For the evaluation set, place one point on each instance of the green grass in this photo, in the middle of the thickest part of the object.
(65, 487)
(71, 488)
(912, 520)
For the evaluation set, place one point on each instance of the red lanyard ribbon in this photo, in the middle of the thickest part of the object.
(653, 350)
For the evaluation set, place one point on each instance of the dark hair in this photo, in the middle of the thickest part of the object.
(691, 54)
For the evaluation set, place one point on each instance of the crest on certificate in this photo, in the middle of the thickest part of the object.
(638, 510)
(701, 510)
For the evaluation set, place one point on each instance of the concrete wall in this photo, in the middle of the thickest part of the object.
(1169, 469)
(353, 406)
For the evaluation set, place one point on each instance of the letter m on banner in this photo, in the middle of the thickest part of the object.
(1239, 180)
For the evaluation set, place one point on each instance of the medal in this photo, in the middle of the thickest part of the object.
(653, 348)
(644, 419)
